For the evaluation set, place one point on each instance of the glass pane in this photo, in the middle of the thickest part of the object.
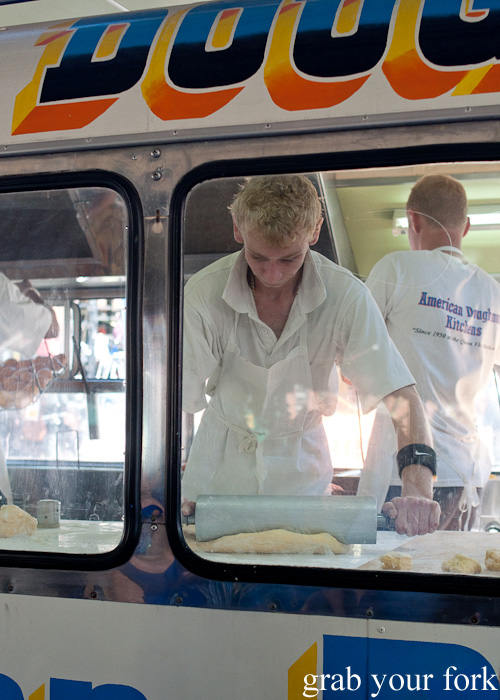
(62, 369)
(294, 393)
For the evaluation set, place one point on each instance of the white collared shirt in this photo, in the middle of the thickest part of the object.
(344, 326)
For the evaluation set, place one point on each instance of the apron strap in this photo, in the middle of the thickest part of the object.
(468, 501)
(250, 440)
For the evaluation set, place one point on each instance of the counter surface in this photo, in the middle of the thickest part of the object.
(71, 537)
(427, 552)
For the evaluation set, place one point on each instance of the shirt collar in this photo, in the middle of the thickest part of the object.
(238, 294)
(449, 249)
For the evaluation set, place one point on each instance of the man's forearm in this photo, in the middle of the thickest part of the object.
(412, 427)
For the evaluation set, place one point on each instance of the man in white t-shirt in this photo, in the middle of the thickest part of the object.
(443, 314)
(25, 320)
(263, 330)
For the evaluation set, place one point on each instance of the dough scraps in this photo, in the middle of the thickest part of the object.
(492, 559)
(15, 521)
(268, 542)
(461, 564)
(396, 561)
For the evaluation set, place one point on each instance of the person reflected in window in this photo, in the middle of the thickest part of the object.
(263, 330)
(25, 320)
(443, 314)
(102, 352)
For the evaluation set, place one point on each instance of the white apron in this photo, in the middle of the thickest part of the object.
(262, 432)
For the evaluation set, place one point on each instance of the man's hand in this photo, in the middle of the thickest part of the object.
(187, 507)
(413, 515)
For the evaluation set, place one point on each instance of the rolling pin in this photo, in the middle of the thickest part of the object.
(350, 519)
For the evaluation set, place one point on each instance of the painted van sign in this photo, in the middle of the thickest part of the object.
(61, 689)
(387, 669)
(246, 61)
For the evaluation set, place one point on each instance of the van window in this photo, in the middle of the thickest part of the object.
(63, 272)
(248, 399)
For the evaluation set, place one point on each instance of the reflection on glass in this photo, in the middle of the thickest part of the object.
(62, 338)
(359, 209)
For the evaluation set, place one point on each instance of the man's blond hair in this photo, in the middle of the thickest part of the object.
(279, 209)
(442, 199)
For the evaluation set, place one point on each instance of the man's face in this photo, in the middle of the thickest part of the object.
(273, 267)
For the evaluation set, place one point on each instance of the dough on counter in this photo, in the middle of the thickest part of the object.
(492, 559)
(396, 561)
(461, 564)
(268, 542)
(15, 521)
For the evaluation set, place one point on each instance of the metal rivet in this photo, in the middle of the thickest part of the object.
(156, 153)
(381, 630)
(156, 175)
(154, 527)
(178, 600)
(369, 612)
(10, 587)
(93, 594)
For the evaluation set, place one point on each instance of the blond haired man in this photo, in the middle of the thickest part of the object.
(263, 331)
(443, 314)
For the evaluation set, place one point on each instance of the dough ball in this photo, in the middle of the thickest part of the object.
(42, 362)
(44, 377)
(492, 559)
(461, 564)
(15, 521)
(6, 372)
(10, 363)
(24, 376)
(396, 561)
(23, 392)
(12, 384)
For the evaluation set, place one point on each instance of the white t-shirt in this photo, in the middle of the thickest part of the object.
(344, 326)
(23, 324)
(443, 314)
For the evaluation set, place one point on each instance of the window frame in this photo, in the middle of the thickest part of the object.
(292, 575)
(133, 400)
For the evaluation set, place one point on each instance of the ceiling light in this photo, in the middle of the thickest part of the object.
(485, 220)
(480, 220)
(399, 223)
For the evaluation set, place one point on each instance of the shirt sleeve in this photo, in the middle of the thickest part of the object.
(370, 359)
(23, 324)
(200, 358)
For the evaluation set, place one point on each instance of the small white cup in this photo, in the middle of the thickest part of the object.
(48, 513)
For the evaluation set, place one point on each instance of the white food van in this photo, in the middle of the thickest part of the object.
(123, 140)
